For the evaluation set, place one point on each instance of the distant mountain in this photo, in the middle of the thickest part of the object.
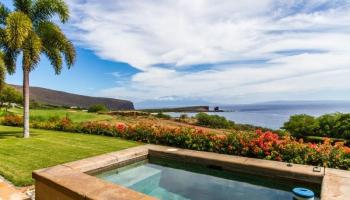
(59, 98)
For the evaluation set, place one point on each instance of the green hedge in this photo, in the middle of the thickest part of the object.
(97, 108)
(213, 121)
(336, 125)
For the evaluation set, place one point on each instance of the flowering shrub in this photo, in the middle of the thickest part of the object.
(12, 120)
(259, 144)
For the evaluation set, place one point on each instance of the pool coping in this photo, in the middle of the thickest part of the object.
(66, 180)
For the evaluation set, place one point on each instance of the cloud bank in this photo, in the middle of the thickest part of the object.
(221, 51)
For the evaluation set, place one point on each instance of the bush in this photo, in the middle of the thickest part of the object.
(97, 108)
(163, 116)
(249, 127)
(183, 116)
(301, 125)
(34, 105)
(65, 124)
(342, 126)
(327, 124)
(38, 118)
(320, 140)
(9, 95)
(12, 120)
(127, 113)
(335, 125)
(55, 118)
(213, 121)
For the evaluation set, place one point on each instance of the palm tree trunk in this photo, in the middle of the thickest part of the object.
(25, 103)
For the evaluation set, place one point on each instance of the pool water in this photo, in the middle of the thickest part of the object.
(168, 183)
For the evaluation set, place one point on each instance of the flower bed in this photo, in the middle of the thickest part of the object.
(259, 144)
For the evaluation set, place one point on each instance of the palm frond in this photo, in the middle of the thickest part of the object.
(18, 27)
(55, 57)
(9, 58)
(69, 53)
(53, 37)
(31, 51)
(4, 12)
(2, 38)
(24, 6)
(50, 34)
(46, 9)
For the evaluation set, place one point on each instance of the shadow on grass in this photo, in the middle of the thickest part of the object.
(16, 134)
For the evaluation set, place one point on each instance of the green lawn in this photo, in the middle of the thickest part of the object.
(75, 115)
(19, 157)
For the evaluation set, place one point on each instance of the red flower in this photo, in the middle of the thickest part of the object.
(313, 146)
(259, 132)
(120, 127)
(278, 158)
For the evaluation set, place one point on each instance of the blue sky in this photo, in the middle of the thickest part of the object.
(223, 52)
(89, 74)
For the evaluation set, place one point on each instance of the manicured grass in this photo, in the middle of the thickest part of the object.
(75, 115)
(19, 157)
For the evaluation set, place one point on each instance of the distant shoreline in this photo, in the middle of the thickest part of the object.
(179, 109)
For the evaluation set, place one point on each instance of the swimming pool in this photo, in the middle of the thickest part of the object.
(167, 180)
(77, 180)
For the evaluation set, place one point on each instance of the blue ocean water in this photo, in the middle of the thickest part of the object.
(273, 115)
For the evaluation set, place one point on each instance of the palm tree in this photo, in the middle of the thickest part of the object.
(29, 31)
(2, 72)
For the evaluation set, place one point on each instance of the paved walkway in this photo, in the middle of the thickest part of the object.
(9, 192)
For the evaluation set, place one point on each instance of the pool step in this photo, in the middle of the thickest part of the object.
(129, 178)
(144, 179)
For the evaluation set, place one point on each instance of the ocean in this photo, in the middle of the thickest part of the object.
(273, 115)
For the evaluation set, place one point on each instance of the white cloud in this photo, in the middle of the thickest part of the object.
(184, 34)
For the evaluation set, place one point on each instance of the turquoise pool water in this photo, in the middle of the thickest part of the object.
(167, 183)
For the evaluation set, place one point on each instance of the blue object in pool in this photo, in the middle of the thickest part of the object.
(303, 192)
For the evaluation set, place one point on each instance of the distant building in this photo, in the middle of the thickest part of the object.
(217, 109)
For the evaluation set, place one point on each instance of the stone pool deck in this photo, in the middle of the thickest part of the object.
(10, 192)
(75, 181)
(336, 185)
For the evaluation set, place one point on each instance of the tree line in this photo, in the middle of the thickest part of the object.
(336, 125)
